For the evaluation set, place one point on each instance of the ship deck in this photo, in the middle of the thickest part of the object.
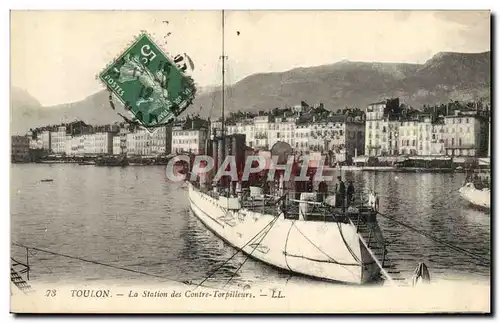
(318, 211)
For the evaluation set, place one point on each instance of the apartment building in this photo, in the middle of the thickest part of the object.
(382, 128)
(408, 136)
(161, 141)
(20, 146)
(46, 137)
(424, 135)
(139, 143)
(58, 140)
(465, 134)
(189, 140)
(117, 149)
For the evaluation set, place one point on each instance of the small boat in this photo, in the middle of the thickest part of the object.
(477, 197)
(47, 180)
(120, 161)
(86, 163)
(378, 169)
(476, 189)
(423, 170)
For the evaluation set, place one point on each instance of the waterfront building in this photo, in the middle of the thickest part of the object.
(374, 117)
(408, 136)
(68, 145)
(58, 140)
(283, 130)
(124, 131)
(340, 135)
(262, 132)
(103, 143)
(77, 145)
(390, 137)
(437, 140)
(261, 126)
(382, 128)
(98, 143)
(88, 144)
(35, 143)
(354, 131)
(139, 143)
(302, 137)
(130, 142)
(117, 149)
(189, 140)
(161, 141)
(245, 127)
(46, 140)
(424, 135)
(20, 147)
(466, 134)
(215, 125)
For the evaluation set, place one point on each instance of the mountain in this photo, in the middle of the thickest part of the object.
(24, 110)
(27, 113)
(446, 76)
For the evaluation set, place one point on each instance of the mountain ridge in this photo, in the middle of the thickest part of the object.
(445, 76)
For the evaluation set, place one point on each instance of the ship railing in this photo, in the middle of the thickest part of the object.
(25, 267)
(317, 210)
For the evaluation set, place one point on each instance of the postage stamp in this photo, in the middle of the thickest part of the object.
(150, 85)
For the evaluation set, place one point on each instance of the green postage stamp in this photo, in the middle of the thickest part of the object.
(149, 84)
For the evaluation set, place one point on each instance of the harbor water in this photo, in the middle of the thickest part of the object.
(133, 218)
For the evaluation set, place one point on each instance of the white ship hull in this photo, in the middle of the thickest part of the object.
(476, 197)
(325, 250)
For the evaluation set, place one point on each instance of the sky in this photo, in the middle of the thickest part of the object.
(56, 55)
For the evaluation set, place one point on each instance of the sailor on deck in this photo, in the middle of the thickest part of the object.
(373, 201)
(340, 193)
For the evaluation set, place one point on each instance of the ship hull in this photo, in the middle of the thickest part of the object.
(324, 250)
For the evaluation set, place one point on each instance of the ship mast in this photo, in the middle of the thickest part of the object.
(223, 71)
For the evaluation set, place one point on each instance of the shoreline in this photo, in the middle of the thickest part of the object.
(326, 168)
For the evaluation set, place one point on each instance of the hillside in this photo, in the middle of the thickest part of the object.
(94, 109)
(444, 77)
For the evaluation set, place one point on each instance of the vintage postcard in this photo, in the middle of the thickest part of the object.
(250, 162)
